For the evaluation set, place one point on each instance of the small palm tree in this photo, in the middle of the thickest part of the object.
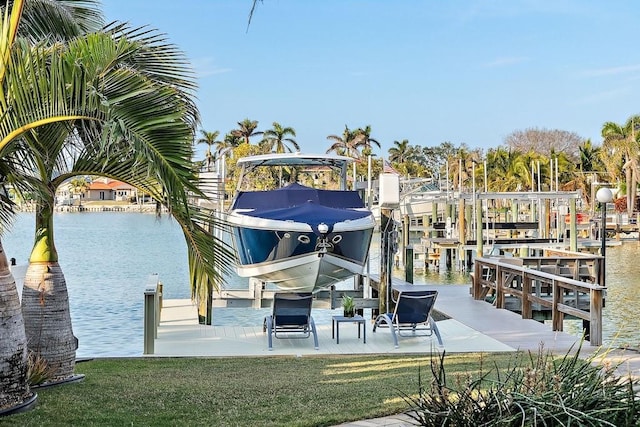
(210, 139)
(589, 157)
(621, 146)
(78, 186)
(400, 151)
(276, 139)
(246, 130)
(346, 144)
(367, 141)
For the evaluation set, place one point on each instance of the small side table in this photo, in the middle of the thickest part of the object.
(335, 326)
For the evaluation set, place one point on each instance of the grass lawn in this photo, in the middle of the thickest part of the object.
(242, 391)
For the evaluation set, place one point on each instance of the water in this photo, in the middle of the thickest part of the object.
(108, 256)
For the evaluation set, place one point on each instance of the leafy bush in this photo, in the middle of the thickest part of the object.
(534, 390)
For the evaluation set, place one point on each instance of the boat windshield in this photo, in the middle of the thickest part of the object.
(263, 178)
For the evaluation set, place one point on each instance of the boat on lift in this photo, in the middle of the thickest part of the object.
(295, 224)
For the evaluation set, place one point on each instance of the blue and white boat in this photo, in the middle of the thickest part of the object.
(295, 224)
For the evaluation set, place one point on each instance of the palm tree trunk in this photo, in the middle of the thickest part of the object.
(45, 302)
(630, 194)
(14, 387)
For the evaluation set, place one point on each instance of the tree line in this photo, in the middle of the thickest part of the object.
(528, 160)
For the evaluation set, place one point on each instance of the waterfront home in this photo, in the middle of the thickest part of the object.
(109, 189)
(97, 190)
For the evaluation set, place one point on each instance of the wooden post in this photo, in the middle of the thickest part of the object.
(476, 280)
(425, 225)
(527, 312)
(573, 226)
(499, 288)
(469, 230)
(595, 312)
(547, 222)
(557, 317)
(434, 218)
(461, 232)
(479, 216)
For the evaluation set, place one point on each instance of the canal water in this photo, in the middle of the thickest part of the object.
(108, 256)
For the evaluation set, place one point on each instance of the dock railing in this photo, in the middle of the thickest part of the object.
(537, 288)
(152, 311)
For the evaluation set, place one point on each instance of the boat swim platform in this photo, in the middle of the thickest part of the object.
(468, 326)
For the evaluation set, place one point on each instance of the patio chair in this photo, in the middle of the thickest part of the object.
(412, 313)
(290, 318)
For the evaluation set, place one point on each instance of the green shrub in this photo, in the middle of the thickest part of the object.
(38, 370)
(534, 390)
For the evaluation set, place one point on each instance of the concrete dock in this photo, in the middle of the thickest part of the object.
(472, 326)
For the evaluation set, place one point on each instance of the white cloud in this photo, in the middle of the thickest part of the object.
(205, 67)
(625, 69)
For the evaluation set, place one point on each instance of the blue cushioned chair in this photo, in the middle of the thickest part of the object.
(291, 317)
(412, 313)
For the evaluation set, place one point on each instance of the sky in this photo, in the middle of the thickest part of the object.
(429, 72)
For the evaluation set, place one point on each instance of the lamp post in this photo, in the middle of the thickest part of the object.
(603, 196)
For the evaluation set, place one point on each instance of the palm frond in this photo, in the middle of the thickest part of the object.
(59, 20)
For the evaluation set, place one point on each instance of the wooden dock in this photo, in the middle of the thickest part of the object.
(552, 286)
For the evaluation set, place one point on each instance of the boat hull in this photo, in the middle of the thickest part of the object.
(305, 273)
(294, 258)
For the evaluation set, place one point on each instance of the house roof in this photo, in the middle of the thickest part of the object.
(111, 185)
(97, 185)
(118, 185)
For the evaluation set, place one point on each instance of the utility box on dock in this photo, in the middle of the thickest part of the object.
(389, 196)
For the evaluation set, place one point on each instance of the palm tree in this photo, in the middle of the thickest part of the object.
(621, 146)
(367, 140)
(144, 139)
(14, 385)
(400, 151)
(346, 144)
(211, 139)
(276, 139)
(53, 21)
(78, 186)
(589, 157)
(509, 170)
(461, 166)
(230, 141)
(246, 130)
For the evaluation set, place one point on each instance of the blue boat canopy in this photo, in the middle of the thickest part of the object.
(304, 204)
(296, 194)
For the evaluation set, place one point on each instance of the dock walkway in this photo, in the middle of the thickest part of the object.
(473, 326)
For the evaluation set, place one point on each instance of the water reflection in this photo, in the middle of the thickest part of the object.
(621, 324)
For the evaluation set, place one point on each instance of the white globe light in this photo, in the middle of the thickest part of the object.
(604, 195)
